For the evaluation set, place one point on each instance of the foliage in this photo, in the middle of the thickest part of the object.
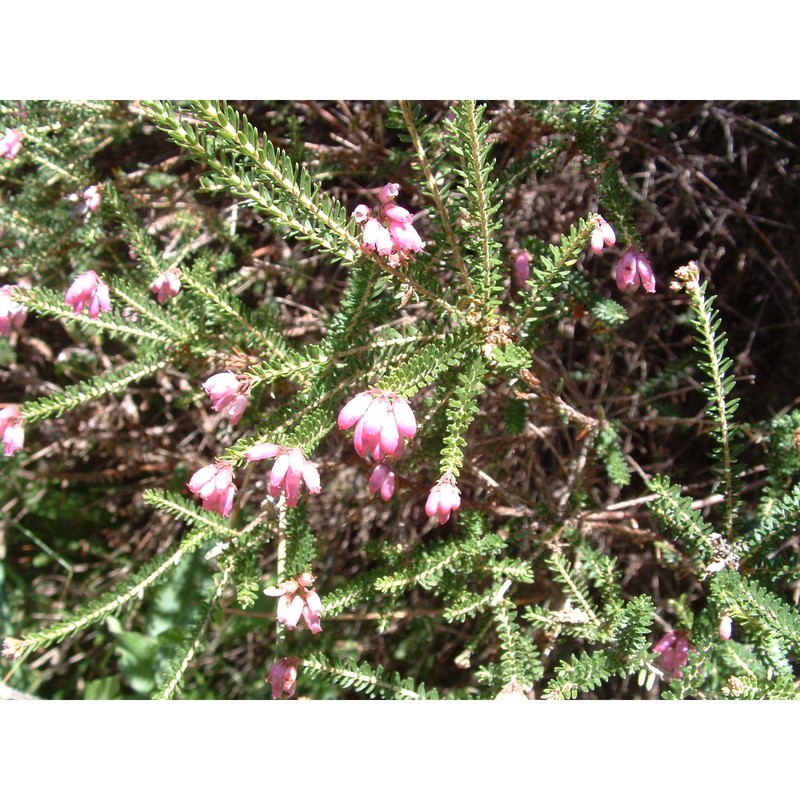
(526, 406)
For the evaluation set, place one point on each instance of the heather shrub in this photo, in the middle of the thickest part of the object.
(471, 397)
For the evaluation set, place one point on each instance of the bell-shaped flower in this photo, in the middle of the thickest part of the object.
(282, 676)
(382, 420)
(167, 285)
(91, 199)
(288, 471)
(444, 498)
(522, 267)
(12, 432)
(229, 394)
(12, 312)
(298, 600)
(382, 480)
(634, 270)
(88, 290)
(603, 234)
(10, 144)
(213, 484)
(673, 649)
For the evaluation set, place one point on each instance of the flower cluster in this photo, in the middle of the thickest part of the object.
(289, 469)
(603, 234)
(88, 290)
(167, 285)
(91, 199)
(634, 270)
(391, 232)
(10, 144)
(282, 676)
(229, 394)
(12, 313)
(298, 600)
(674, 651)
(11, 430)
(213, 484)
(382, 421)
(444, 497)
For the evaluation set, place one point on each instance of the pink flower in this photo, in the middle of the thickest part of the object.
(376, 237)
(602, 234)
(12, 313)
(289, 469)
(166, 285)
(381, 421)
(396, 241)
(382, 480)
(214, 485)
(725, 627)
(11, 143)
(298, 600)
(388, 193)
(282, 676)
(91, 197)
(11, 430)
(405, 237)
(88, 289)
(522, 267)
(674, 651)
(444, 497)
(634, 269)
(228, 393)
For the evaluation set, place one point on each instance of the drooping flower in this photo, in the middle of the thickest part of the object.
(673, 649)
(382, 480)
(282, 676)
(522, 267)
(91, 199)
(214, 485)
(297, 599)
(289, 469)
(167, 285)
(725, 627)
(400, 238)
(10, 144)
(11, 430)
(382, 420)
(634, 270)
(88, 290)
(229, 394)
(12, 312)
(602, 234)
(444, 497)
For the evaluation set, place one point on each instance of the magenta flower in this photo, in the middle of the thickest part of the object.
(298, 600)
(11, 430)
(167, 285)
(289, 469)
(88, 289)
(229, 394)
(602, 234)
(634, 270)
(12, 313)
(396, 241)
(382, 480)
(674, 653)
(382, 420)
(282, 676)
(444, 497)
(10, 144)
(214, 485)
(91, 198)
(522, 267)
